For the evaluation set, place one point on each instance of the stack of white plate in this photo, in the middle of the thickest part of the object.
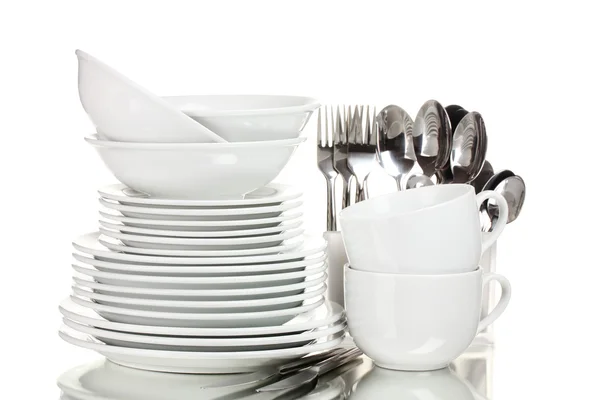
(201, 286)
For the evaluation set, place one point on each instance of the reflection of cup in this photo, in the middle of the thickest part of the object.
(442, 384)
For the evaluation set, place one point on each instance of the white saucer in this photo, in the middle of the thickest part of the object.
(324, 315)
(202, 226)
(199, 320)
(195, 362)
(273, 193)
(205, 270)
(282, 227)
(90, 244)
(201, 244)
(116, 245)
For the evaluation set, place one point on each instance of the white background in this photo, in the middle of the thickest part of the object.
(531, 68)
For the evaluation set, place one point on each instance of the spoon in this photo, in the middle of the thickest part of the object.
(417, 181)
(432, 134)
(455, 114)
(497, 178)
(395, 149)
(513, 190)
(469, 147)
(487, 171)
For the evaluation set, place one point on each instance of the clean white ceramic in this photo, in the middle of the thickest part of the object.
(201, 214)
(203, 226)
(89, 244)
(203, 282)
(213, 294)
(168, 243)
(418, 322)
(195, 306)
(124, 111)
(429, 230)
(326, 314)
(205, 270)
(283, 227)
(199, 320)
(336, 260)
(196, 362)
(174, 343)
(271, 194)
(195, 170)
(117, 245)
(243, 118)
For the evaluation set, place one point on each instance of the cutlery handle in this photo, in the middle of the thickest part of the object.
(346, 192)
(489, 238)
(360, 190)
(334, 362)
(331, 221)
(309, 360)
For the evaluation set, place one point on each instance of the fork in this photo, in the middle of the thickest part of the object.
(362, 148)
(340, 154)
(325, 163)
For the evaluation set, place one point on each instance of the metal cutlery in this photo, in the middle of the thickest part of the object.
(513, 190)
(325, 162)
(432, 135)
(340, 154)
(469, 148)
(362, 147)
(487, 171)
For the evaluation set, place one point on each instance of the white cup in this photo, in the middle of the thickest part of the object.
(429, 230)
(417, 322)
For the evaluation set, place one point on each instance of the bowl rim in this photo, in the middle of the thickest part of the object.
(94, 141)
(310, 104)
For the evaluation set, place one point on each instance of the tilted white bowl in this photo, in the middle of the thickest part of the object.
(124, 111)
(195, 170)
(244, 118)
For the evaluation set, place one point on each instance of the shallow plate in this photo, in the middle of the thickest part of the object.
(273, 193)
(199, 320)
(202, 282)
(202, 306)
(195, 362)
(116, 245)
(90, 244)
(282, 227)
(201, 244)
(324, 315)
(173, 343)
(204, 270)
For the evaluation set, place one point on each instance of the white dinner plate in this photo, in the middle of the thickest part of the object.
(199, 320)
(199, 294)
(174, 343)
(203, 270)
(200, 244)
(326, 314)
(90, 244)
(201, 282)
(196, 362)
(116, 245)
(282, 227)
(271, 194)
(200, 306)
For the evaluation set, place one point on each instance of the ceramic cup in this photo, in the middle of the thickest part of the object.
(429, 230)
(417, 322)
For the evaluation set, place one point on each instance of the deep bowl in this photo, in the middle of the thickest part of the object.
(195, 170)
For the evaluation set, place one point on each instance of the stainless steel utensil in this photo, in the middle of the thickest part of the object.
(417, 181)
(432, 135)
(395, 148)
(513, 190)
(497, 178)
(455, 114)
(310, 375)
(340, 155)
(487, 171)
(362, 148)
(469, 147)
(325, 163)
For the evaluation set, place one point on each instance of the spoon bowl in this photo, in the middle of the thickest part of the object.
(432, 134)
(469, 147)
(513, 190)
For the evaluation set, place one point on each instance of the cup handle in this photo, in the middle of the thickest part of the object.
(488, 238)
(502, 304)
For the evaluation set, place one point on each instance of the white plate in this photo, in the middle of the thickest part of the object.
(273, 193)
(173, 343)
(116, 245)
(282, 227)
(202, 226)
(89, 244)
(201, 282)
(195, 306)
(195, 362)
(200, 320)
(324, 315)
(204, 270)
(200, 244)
(201, 295)
(201, 214)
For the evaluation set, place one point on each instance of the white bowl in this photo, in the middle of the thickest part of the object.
(195, 170)
(124, 111)
(243, 118)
